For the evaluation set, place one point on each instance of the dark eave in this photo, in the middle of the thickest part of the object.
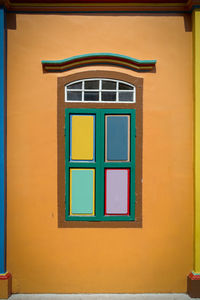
(91, 6)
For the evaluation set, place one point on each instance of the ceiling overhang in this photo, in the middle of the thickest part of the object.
(101, 6)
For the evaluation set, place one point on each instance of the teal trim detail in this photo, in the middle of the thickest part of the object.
(195, 273)
(100, 165)
(93, 55)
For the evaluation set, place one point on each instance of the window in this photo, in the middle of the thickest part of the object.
(99, 149)
(102, 90)
(100, 164)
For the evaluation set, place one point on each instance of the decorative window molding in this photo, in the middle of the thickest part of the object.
(69, 166)
(92, 59)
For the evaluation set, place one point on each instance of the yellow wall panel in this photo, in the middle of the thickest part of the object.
(196, 33)
(82, 137)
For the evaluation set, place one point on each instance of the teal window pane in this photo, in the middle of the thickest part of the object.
(82, 192)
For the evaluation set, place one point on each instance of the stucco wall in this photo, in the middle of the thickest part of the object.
(156, 258)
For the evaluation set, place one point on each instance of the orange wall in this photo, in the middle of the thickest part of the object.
(46, 259)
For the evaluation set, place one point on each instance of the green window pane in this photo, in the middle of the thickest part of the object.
(82, 191)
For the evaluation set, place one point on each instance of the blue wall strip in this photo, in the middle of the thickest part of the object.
(2, 144)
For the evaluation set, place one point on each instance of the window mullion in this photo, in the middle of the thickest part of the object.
(83, 86)
(100, 88)
(117, 91)
(102, 140)
(99, 193)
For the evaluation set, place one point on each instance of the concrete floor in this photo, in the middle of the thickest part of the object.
(101, 297)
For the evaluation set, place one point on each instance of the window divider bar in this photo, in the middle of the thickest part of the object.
(98, 191)
(80, 164)
(100, 88)
(117, 94)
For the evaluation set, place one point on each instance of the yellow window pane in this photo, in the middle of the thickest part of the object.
(82, 137)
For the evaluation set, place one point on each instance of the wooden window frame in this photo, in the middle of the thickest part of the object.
(62, 105)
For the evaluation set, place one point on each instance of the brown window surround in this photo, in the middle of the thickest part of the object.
(138, 83)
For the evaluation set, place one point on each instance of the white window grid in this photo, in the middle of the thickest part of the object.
(117, 90)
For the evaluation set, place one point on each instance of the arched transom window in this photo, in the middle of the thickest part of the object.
(100, 90)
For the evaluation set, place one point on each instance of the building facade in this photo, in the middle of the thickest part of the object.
(99, 147)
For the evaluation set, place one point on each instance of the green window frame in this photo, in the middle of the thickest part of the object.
(100, 165)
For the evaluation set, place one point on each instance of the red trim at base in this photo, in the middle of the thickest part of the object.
(5, 276)
(194, 277)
